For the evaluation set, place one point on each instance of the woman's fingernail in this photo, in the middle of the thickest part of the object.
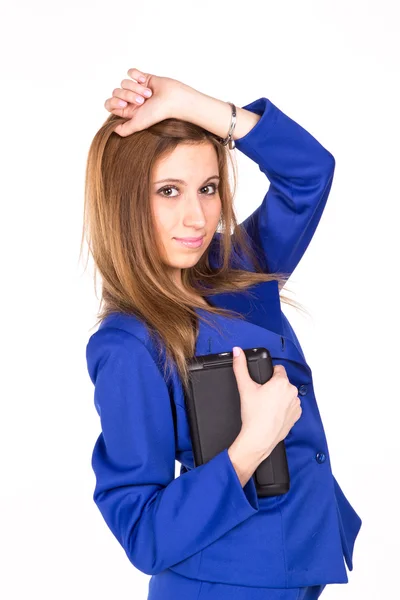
(147, 93)
(122, 103)
(139, 99)
(142, 79)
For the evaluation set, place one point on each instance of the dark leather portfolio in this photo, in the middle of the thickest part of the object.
(214, 415)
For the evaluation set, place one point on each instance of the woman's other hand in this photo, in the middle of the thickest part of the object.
(152, 109)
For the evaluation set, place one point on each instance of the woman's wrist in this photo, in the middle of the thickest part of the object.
(244, 457)
(211, 114)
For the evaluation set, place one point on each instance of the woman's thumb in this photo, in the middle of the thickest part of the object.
(240, 368)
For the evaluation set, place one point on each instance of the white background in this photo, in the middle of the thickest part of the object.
(331, 66)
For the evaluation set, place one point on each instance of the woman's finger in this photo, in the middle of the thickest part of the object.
(128, 96)
(115, 103)
(124, 129)
(138, 75)
(128, 84)
(140, 119)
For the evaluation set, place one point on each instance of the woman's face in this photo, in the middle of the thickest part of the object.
(189, 208)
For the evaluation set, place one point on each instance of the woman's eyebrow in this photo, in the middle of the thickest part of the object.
(184, 182)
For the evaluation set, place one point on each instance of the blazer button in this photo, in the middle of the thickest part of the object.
(303, 390)
(320, 457)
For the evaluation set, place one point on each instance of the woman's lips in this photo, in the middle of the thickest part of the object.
(190, 242)
(190, 239)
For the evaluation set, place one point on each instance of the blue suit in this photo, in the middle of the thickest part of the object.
(202, 530)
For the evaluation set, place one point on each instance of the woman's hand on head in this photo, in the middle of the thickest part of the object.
(154, 108)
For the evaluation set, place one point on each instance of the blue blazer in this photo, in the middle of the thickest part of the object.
(203, 524)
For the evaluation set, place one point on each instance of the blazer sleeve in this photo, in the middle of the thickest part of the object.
(158, 519)
(300, 171)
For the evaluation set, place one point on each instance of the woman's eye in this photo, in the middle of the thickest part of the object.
(172, 187)
(211, 185)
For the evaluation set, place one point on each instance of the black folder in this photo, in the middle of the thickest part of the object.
(214, 415)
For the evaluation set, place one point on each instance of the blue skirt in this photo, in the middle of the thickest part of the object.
(168, 585)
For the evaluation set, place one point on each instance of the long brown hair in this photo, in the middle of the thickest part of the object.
(120, 235)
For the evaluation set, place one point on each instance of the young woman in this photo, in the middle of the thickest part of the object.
(158, 172)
